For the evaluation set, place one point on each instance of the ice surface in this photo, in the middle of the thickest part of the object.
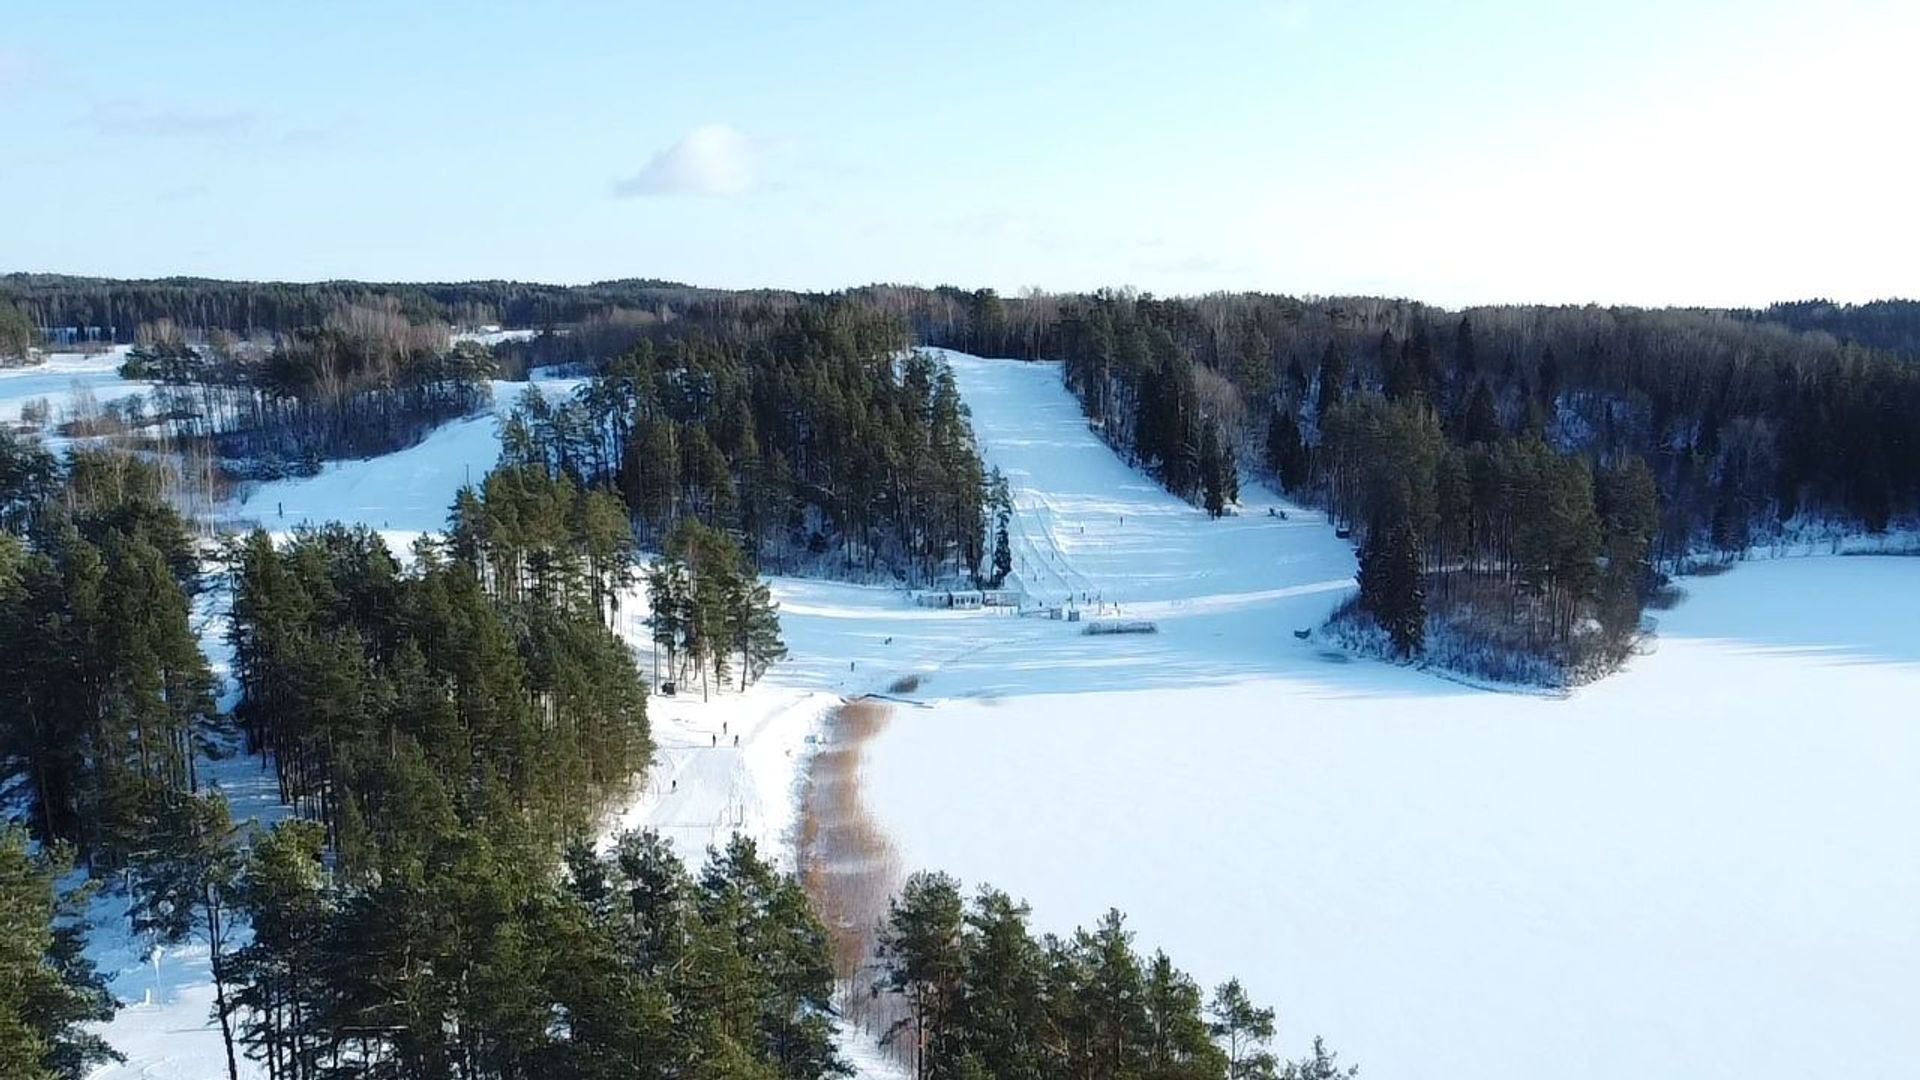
(1701, 867)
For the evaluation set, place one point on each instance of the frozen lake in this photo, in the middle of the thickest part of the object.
(1705, 866)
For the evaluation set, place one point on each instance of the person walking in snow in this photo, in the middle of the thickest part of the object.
(716, 740)
(736, 740)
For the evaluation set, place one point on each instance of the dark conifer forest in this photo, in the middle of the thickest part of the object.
(800, 431)
(1543, 466)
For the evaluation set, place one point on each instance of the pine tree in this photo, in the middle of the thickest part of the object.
(1254, 368)
(16, 333)
(1213, 468)
(1111, 998)
(1286, 456)
(1390, 585)
(923, 961)
(1004, 1004)
(1244, 1031)
(756, 629)
(1320, 1065)
(1482, 421)
(667, 597)
(1333, 380)
(183, 884)
(1179, 1044)
(49, 991)
(1549, 381)
(1466, 360)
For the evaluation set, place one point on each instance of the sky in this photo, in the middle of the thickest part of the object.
(1715, 152)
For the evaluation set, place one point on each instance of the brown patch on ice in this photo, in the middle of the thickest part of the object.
(848, 866)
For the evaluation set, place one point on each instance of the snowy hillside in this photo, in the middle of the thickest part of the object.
(401, 494)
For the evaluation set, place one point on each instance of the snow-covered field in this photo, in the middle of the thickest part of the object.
(63, 377)
(402, 494)
(1702, 867)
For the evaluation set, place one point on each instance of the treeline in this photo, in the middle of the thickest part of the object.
(801, 431)
(1893, 325)
(448, 727)
(1745, 420)
(786, 420)
(250, 308)
(107, 720)
(489, 963)
(1744, 423)
(365, 380)
(1513, 551)
(708, 608)
(983, 997)
(107, 703)
(397, 703)
(17, 334)
(1516, 455)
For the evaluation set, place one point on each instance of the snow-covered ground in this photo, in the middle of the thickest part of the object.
(1701, 867)
(492, 335)
(61, 378)
(402, 494)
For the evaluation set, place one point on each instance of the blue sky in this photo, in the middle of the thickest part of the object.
(1691, 151)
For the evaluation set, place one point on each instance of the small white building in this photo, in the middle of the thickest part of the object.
(961, 599)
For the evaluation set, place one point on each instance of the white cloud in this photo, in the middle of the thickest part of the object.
(710, 160)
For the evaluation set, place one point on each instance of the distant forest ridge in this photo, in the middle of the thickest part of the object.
(121, 305)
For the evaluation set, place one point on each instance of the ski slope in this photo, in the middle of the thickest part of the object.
(1702, 867)
(402, 494)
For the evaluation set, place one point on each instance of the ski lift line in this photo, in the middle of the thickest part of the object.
(1053, 557)
(1053, 517)
(1050, 556)
(1036, 556)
